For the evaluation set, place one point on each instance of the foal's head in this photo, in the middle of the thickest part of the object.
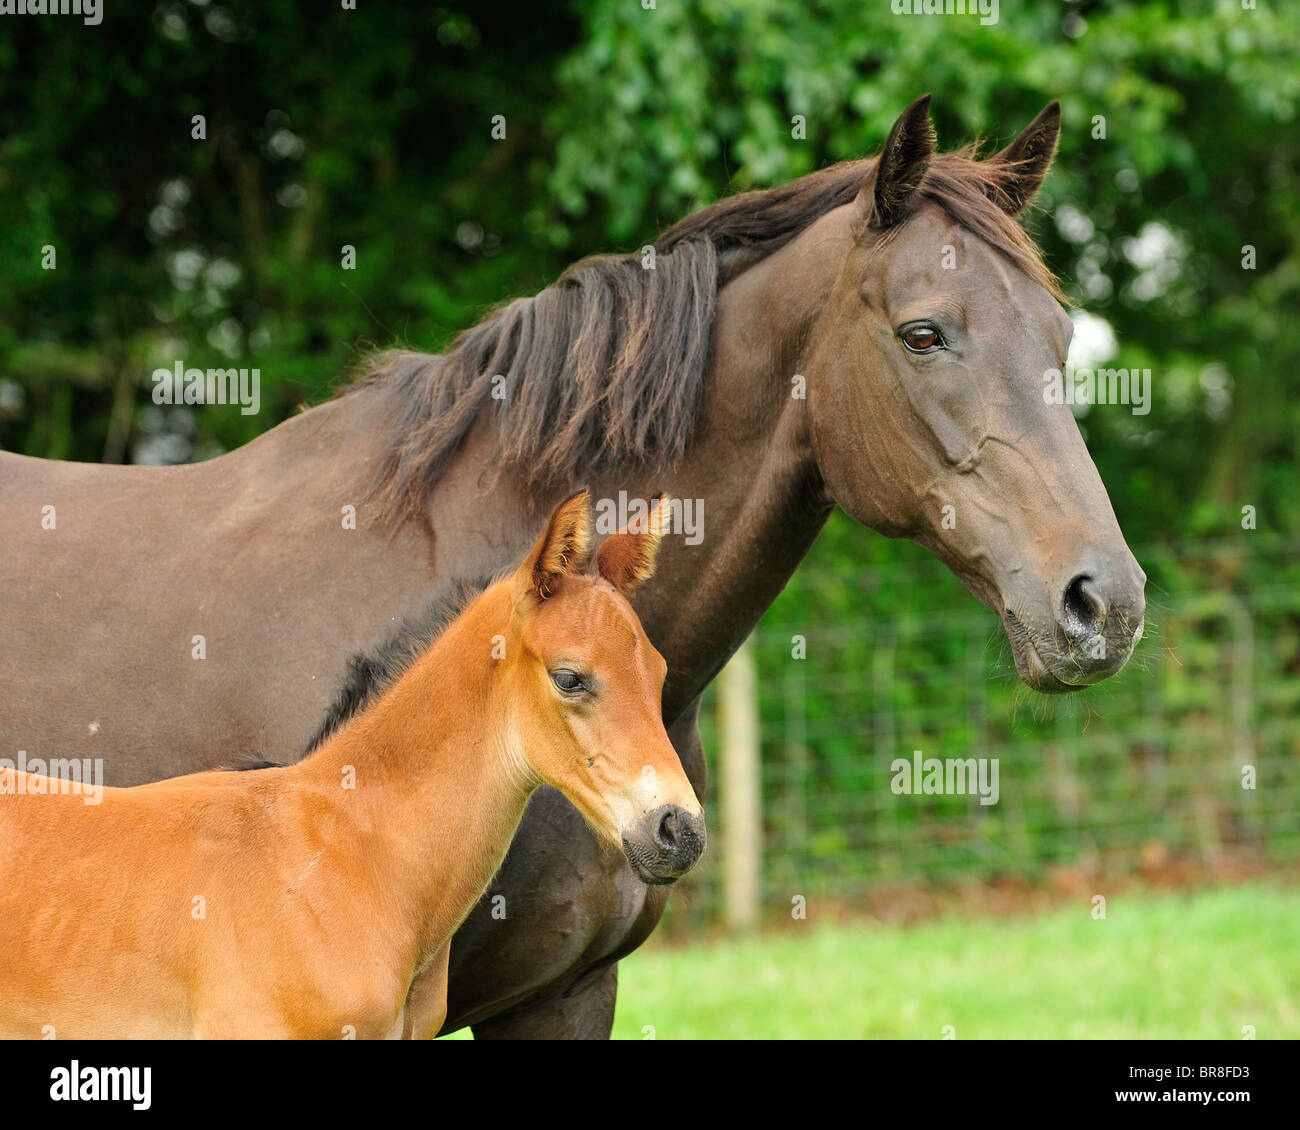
(583, 686)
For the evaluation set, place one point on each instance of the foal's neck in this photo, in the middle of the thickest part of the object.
(430, 777)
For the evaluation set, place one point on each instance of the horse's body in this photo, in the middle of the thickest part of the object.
(192, 908)
(318, 900)
(813, 283)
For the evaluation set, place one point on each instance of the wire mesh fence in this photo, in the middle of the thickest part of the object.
(1190, 754)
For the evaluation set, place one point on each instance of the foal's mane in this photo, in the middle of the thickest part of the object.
(370, 674)
(605, 368)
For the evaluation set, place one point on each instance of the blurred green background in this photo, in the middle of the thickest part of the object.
(373, 128)
(1175, 233)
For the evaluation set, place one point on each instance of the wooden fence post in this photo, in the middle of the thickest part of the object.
(742, 818)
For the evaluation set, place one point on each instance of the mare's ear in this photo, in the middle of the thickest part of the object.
(627, 558)
(889, 191)
(1027, 160)
(562, 548)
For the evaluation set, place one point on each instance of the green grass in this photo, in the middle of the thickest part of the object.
(1195, 965)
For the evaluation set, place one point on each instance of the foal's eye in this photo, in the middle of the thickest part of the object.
(922, 338)
(570, 682)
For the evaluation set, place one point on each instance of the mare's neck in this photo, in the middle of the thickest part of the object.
(751, 462)
(437, 784)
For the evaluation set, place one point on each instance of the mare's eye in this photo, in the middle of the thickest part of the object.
(570, 682)
(922, 338)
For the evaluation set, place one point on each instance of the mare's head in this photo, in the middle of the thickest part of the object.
(927, 407)
(583, 688)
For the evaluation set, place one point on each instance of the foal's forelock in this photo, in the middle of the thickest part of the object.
(604, 370)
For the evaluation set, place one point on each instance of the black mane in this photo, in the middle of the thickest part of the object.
(605, 368)
(371, 673)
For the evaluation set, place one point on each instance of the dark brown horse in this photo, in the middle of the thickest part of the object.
(872, 336)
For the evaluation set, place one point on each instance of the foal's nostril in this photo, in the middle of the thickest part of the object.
(670, 844)
(1083, 605)
(668, 831)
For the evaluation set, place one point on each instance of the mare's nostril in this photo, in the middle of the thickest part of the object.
(1083, 606)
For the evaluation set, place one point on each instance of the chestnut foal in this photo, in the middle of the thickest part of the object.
(318, 900)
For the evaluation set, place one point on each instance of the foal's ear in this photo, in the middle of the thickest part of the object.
(627, 558)
(562, 548)
(1027, 159)
(888, 193)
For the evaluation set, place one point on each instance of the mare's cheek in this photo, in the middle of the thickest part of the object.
(952, 404)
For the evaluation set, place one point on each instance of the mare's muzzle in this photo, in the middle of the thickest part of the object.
(1089, 631)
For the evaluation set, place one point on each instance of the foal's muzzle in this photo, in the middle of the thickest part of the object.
(668, 844)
